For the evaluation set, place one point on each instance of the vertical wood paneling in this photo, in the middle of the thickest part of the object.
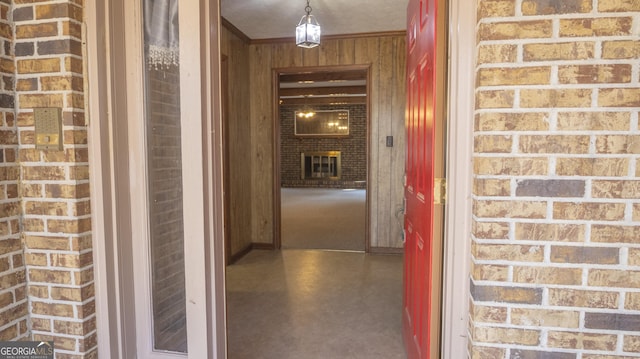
(386, 56)
(311, 57)
(347, 51)
(329, 53)
(398, 104)
(237, 122)
(262, 155)
(285, 55)
(225, 38)
(384, 128)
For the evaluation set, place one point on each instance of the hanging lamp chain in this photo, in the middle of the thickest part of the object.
(308, 8)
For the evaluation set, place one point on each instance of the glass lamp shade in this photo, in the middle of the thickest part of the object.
(308, 32)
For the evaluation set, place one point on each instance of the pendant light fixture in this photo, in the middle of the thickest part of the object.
(306, 111)
(308, 30)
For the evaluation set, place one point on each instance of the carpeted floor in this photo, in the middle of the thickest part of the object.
(323, 218)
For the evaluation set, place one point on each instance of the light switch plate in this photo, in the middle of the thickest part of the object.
(389, 141)
(48, 124)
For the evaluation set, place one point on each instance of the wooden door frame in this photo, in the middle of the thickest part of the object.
(114, 313)
(459, 174)
(224, 103)
(277, 203)
(111, 100)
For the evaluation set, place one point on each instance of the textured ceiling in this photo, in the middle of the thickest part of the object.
(266, 19)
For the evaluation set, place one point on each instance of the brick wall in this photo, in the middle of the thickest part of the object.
(166, 222)
(353, 149)
(556, 249)
(13, 289)
(55, 184)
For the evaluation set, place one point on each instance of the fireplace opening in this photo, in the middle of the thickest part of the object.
(321, 165)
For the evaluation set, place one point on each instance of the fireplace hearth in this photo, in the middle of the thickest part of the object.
(321, 165)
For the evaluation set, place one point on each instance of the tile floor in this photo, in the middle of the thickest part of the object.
(314, 304)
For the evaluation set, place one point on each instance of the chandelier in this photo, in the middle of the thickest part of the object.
(308, 30)
(307, 111)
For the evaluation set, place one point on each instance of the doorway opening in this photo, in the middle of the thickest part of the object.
(321, 133)
(110, 271)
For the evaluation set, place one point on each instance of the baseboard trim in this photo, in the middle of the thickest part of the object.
(386, 250)
(263, 246)
(260, 246)
(236, 257)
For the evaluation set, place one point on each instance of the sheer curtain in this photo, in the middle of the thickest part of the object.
(161, 32)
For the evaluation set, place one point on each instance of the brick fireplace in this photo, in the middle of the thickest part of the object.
(345, 157)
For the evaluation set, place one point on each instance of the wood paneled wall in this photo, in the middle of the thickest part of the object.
(385, 55)
(235, 51)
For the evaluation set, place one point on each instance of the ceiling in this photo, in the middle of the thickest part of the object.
(269, 19)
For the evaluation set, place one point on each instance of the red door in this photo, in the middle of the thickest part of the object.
(419, 182)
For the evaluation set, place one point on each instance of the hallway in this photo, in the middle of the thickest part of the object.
(314, 304)
(323, 218)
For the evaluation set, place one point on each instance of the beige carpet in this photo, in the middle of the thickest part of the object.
(323, 218)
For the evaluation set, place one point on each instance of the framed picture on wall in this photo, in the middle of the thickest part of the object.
(321, 122)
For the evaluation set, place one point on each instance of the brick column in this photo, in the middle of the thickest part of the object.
(13, 299)
(55, 184)
(556, 262)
